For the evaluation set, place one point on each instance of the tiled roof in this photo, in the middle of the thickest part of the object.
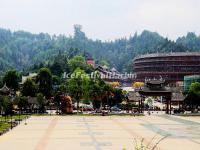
(169, 54)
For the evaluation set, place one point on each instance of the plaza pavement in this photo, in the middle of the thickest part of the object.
(161, 132)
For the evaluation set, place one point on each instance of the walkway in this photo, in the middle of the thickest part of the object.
(104, 133)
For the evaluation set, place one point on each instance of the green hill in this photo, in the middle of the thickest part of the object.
(22, 49)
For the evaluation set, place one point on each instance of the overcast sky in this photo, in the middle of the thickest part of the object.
(102, 19)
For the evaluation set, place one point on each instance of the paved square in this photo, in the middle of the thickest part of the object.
(104, 133)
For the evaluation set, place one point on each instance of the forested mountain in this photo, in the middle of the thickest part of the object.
(23, 49)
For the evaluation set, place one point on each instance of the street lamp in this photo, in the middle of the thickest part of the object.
(19, 116)
(11, 125)
(50, 104)
(25, 119)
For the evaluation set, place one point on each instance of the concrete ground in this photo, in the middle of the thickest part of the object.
(104, 133)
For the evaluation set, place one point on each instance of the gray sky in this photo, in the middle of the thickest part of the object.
(102, 19)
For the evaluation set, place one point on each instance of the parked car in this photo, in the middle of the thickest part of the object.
(115, 108)
(88, 108)
(98, 111)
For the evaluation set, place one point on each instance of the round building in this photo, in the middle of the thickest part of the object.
(169, 66)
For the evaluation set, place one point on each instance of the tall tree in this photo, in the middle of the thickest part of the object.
(41, 102)
(108, 93)
(77, 61)
(29, 88)
(44, 80)
(7, 105)
(78, 34)
(11, 79)
(77, 85)
(95, 93)
(23, 103)
(193, 97)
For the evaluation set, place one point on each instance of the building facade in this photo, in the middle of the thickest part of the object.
(171, 67)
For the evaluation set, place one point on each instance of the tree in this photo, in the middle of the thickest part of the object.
(104, 63)
(56, 81)
(77, 85)
(78, 34)
(94, 93)
(77, 62)
(59, 64)
(118, 96)
(195, 88)
(108, 92)
(41, 102)
(11, 79)
(99, 92)
(63, 88)
(57, 68)
(57, 100)
(23, 103)
(6, 105)
(193, 97)
(29, 88)
(137, 85)
(115, 84)
(149, 101)
(73, 52)
(44, 80)
(1, 82)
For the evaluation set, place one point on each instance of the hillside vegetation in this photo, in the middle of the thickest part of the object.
(21, 49)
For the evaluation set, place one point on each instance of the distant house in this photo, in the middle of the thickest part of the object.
(134, 96)
(89, 59)
(109, 74)
(177, 96)
(114, 70)
(30, 76)
(5, 90)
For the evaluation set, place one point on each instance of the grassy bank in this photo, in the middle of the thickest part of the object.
(6, 121)
(4, 126)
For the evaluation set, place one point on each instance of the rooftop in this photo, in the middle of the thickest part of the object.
(168, 54)
(5, 90)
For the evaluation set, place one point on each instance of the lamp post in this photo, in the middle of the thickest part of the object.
(18, 116)
(25, 121)
(50, 108)
(50, 104)
(11, 125)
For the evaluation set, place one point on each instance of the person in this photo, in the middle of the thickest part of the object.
(149, 113)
